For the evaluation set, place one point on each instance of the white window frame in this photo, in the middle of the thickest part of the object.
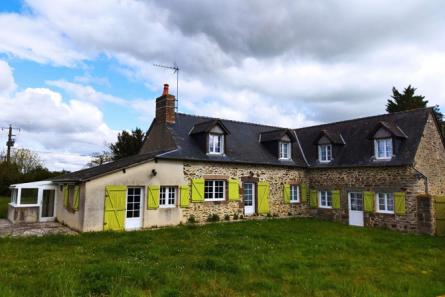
(294, 193)
(213, 191)
(284, 154)
(385, 197)
(166, 191)
(327, 194)
(213, 145)
(387, 151)
(328, 148)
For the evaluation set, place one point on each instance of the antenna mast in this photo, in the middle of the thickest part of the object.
(175, 69)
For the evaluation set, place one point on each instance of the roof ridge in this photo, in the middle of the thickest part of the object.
(233, 121)
(368, 117)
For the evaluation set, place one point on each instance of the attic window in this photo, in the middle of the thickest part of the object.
(216, 143)
(325, 153)
(285, 150)
(383, 148)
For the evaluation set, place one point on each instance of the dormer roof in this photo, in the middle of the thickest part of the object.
(333, 137)
(390, 127)
(276, 135)
(208, 126)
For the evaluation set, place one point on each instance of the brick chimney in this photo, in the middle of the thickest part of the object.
(165, 107)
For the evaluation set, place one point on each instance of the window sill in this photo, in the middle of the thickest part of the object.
(24, 205)
(214, 200)
(167, 206)
(385, 212)
(215, 154)
(382, 159)
(295, 201)
(325, 207)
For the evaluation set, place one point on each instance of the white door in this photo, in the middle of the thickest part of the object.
(249, 198)
(133, 218)
(356, 209)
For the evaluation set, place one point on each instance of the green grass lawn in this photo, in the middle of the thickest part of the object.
(292, 257)
(4, 206)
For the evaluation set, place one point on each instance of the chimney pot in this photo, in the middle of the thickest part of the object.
(165, 92)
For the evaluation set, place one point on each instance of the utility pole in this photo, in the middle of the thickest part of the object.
(10, 142)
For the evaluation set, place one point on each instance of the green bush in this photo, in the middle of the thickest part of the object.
(213, 218)
(235, 216)
(227, 217)
(191, 219)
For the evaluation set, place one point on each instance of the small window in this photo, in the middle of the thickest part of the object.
(285, 152)
(385, 202)
(294, 194)
(216, 143)
(383, 148)
(215, 190)
(325, 199)
(167, 197)
(325, 152)
(14, 194)
(29, 196)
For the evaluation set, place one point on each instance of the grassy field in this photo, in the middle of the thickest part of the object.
(292, 257)
(4, 206)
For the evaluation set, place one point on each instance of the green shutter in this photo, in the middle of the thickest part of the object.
(76, 198)
(233, 190)
(153, 196)
(313, 199)
(336, 199)
(198, 190)
(286, 193)
(400, 203)
(304, 195)
(115, 204)
(369, 198)
(263, 197)
(66, 196)
(185, 196)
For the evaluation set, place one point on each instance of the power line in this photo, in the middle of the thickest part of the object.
(10, 142)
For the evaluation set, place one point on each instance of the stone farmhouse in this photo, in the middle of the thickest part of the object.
(383, 171)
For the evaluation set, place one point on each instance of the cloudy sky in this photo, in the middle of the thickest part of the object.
(74, 73)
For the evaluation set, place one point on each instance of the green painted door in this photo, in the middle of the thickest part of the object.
(115, 203)
(439, 205)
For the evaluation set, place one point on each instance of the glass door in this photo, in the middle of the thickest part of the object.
(47, 208)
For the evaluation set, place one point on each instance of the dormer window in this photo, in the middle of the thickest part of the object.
(216, 143)
(325, 153)
(383, 148)
(285, 150)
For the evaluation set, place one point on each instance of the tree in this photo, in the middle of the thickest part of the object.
(100, 158)
(405, 101)
(127, 144)
(26, 160)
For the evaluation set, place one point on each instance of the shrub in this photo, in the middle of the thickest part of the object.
(213, 218)
(235, 216)
(241, 217)
(269, 215)
(191, 219)
(227, 217)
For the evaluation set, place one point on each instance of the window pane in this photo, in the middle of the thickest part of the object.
(208, 189)
(162, 196)
(29, 196)
(390, 202)
(388, 144)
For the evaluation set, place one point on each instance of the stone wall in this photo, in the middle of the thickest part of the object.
(276, 176)
(378, 179)
(430, 160)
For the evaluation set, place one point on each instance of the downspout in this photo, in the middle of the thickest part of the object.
(424, 177)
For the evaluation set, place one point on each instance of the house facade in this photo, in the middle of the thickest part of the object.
(383, 171)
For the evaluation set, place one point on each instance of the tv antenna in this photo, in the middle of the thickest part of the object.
(175, 69)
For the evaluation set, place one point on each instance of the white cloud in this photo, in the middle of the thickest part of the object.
(51, 125)
(7, 84)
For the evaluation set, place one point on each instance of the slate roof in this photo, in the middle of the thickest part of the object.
(242, 144)
(359, 147)
(89, 173)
